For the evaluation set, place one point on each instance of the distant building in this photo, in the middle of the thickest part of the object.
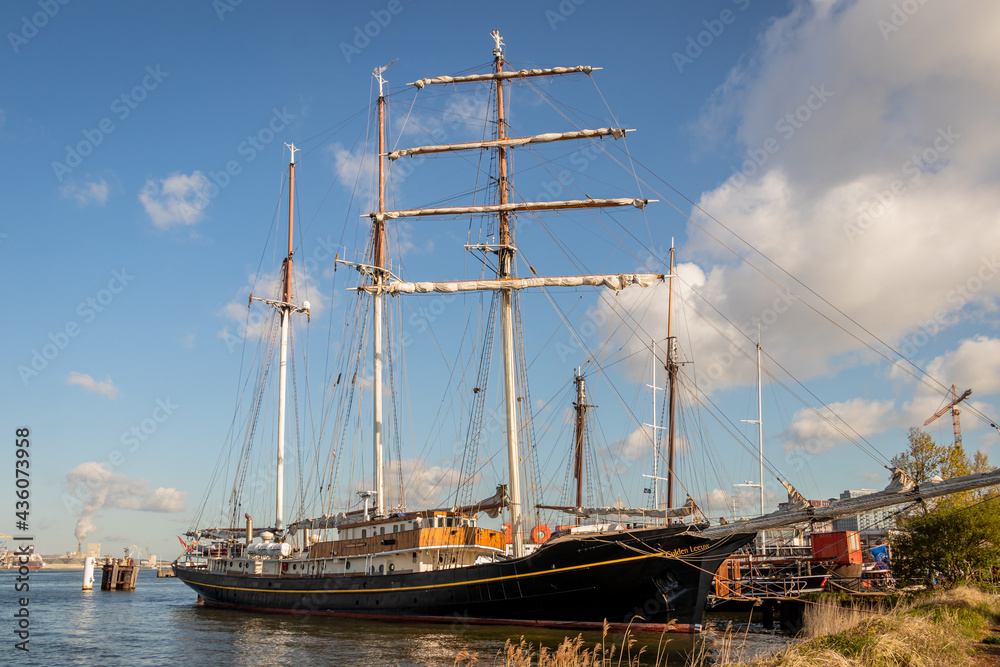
(878, 520)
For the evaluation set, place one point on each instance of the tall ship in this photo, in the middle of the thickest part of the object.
(649, 566)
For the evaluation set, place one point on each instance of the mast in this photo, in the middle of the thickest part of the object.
(760, 439)
(285, 308)
(382, 282)
(653, 428)
(672, 384)
(760, 443)
(378, 276)
(505, 269)
(581, 424)
(286, 297)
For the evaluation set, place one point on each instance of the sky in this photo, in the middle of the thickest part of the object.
(826, 169)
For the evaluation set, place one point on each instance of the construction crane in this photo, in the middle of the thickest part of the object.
(953, 406)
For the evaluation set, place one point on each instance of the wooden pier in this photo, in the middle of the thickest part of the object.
(119, 574)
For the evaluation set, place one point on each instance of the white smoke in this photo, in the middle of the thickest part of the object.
(96, 486)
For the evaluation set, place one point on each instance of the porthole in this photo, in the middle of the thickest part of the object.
(392, 567)
(347, 565)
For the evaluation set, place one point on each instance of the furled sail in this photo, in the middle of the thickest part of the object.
(615, 281)
(324, 522)
(519, 74)
(490, 506)
(512, 207)
(615, 132)
(227, 533)
(687, 509)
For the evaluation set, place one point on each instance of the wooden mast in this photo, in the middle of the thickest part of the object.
(505, 269)
(581, 423)
(672, 383)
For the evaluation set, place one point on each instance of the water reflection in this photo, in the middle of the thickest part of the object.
(159, 623)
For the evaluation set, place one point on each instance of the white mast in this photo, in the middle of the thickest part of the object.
(280, 469)
(654, 426)
(285, 308)
(760, 439)
(287, 297)
(656, 453)
(505, 269)
(379, 275)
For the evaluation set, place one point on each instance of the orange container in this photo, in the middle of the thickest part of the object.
(843, 547)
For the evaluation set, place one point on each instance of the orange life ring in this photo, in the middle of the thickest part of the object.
(539, 534)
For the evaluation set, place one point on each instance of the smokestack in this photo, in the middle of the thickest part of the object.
(78, 548)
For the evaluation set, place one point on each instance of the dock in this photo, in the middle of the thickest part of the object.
(119, 574)
(776, 582)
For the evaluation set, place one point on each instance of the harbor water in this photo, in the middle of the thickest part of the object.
(160, 623)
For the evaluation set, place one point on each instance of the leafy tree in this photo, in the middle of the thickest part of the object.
(923, 459)
(956, 461)
(955, 539)
(981, 463)
(950, 545)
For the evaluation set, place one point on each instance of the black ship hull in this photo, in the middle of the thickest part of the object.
(650, 576)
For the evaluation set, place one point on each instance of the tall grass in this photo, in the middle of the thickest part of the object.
(940, 629)
(572, 652)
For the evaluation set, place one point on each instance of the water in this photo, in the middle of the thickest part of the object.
(160, 624)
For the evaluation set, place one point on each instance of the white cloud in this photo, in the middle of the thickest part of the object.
(89, 192)
(105, 387)
(428, 486)
(974, 365)
(96, 486)
(355, 170)
(637, 445)
(861, 153)
(818, 431)
(178, 200)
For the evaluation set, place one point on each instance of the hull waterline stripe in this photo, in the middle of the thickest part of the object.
(457, 583)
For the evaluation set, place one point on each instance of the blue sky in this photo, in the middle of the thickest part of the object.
(852, 144)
